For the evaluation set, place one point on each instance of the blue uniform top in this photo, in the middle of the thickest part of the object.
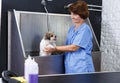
(81, 59)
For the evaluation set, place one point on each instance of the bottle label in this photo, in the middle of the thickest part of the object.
(33, 78)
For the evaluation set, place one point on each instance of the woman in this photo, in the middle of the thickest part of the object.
(78, 45)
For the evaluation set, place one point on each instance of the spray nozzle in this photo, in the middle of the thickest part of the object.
(43, 2)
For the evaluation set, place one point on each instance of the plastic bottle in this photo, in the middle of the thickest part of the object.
(31, 70)
(27, 68)
(33, 76)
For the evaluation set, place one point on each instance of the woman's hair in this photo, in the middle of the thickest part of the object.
(79, 7)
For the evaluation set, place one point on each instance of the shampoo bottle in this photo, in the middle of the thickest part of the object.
(31, 70)
(33, 76)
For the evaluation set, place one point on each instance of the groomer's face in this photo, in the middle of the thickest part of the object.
(75, 17)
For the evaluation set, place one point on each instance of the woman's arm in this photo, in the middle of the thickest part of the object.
(62, 48)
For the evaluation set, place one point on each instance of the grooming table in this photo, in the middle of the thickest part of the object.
(105, 77)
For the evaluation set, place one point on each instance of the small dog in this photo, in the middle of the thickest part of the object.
(48, 41)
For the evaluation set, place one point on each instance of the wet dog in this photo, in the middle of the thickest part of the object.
(49, 40)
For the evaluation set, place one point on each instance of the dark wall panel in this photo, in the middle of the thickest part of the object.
(95, 19)
(56, 6)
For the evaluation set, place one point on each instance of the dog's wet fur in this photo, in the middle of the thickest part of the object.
(49, 40)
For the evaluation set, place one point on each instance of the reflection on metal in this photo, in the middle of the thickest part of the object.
(94, 8)
(18, 28)
(97, 44)
(91, 9)
(89, 5)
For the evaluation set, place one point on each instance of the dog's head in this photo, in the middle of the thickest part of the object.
(50, 36)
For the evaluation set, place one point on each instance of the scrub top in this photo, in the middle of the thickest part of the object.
(80, 60)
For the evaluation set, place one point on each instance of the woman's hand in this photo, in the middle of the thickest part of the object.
(49, 50)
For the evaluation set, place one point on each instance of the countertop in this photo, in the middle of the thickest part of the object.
(97, 77)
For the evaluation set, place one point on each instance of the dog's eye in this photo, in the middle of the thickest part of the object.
(51, 35)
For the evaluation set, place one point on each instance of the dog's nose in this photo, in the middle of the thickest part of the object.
(55, 36)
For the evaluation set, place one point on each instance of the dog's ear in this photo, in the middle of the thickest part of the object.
(47, 36)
